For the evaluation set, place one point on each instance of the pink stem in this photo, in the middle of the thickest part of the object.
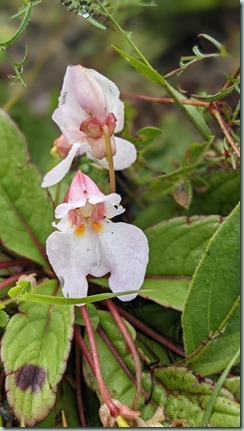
(10, 280)
(151, 333)
(114, 410)
(83, 347)
(132, 347)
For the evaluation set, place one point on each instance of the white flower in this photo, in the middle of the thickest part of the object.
(87, 242)
(88, 101)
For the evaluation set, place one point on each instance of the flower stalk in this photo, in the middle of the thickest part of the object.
(132, 347)
(114, 410)
(109, 158)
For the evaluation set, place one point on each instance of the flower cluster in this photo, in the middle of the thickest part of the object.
(86, 240)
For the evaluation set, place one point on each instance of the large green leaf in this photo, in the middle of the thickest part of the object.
(211, 319)
(26, 210)
(182, 394)
(167, 292)
(177, 245)
(35, 348)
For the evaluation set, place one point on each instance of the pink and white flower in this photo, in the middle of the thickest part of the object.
(87, 242)
(87, 103)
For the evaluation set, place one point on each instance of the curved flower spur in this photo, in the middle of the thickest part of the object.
(88, 103)
(87, 242)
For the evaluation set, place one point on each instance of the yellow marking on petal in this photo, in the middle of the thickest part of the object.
(79, 230)
(97, 226)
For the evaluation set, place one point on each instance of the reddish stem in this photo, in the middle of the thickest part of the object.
(79, 398)
(114, 410)
(17, 262)
(83, 347)
(132, 347)
(10, 280)
(121, 362)
(224, 129)
(150, 332)
(168, 100)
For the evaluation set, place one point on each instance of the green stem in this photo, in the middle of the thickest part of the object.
(109, 158)
(215, 393)
(129, 40)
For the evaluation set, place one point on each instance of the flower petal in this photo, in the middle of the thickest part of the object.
(68, 120)
(125, 249)
(125, 156)
(57, 173)
(80, 90)
(111, 93)
(73, 257)
(82, 189)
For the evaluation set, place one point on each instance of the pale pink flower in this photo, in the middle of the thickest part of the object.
(88, 101)
(87, 242)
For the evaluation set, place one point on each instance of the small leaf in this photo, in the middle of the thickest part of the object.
(147, 134)
(4, 318)
(26, 210)
(142, 68)
(21, 29)
(183, 193)
(211, 319)
(35, 348)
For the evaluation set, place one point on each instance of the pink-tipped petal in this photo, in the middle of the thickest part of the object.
(58, 173)
(125, 248)
(83, 189)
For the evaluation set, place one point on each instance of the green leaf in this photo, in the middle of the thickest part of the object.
(26, 210)
(177, 245)
(218, 386)
(35, 348)
(211, 319)
(21, 29)
(65, 401)
(182, 394)
(50, 299)
(142, 68)
(233, 384)
(168, 292)
(222, 195)
(4, 318)
(147, 134)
